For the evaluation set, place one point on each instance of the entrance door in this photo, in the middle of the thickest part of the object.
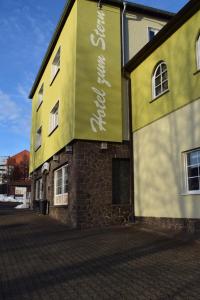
(121, 180)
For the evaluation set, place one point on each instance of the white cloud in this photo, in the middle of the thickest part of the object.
(13, 116)
(22, 91)
(8, 108)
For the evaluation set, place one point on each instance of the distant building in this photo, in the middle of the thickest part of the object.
(3, 168)
(16, 179)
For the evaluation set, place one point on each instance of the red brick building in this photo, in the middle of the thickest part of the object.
(18, 181)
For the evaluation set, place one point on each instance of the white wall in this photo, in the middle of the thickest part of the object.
(159, 165)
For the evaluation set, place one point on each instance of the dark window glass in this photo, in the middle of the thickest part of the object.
(193, 184)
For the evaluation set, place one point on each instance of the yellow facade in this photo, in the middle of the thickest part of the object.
(166, 127)
(87, 86)
(63, 90)
(178, 52)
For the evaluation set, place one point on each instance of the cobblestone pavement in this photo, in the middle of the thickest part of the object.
(42, 259)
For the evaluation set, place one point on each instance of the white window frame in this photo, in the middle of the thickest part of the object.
(38, 189)
(186, 172)
(155, 30)
(161, 84)
(40, 96)
(38, 138)
(54, 118)
(55, 67)
(198, 52)
(61, 198)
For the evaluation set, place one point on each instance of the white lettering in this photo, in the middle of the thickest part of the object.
(97, 121)
(97, 38)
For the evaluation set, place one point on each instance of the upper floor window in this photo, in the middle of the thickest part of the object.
(198, 52)
(152, 32)
(54, 117)
(40, 96)
(160, 80)
(193, 171)
(38, 141)
(55, 64)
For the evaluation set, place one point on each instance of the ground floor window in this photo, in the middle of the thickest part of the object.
(38, 189)
(193, 171)
(121, 181)
(61, 185)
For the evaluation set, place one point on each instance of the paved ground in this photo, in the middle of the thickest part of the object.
(42, 259)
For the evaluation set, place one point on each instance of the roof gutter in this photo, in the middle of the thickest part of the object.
(171, 27)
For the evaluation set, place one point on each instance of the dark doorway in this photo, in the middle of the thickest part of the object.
(121, 180)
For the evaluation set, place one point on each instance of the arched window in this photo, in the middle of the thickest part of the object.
(198, 52)
(160, 79)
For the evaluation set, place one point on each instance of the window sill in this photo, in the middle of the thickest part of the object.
(52, 131)
(39, 106)
(196, 72)
(154, 99)
(197, 193)
(54, 77)
(60, 205)
(37, 148)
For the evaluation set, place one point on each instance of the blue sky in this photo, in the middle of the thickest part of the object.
(26, 27)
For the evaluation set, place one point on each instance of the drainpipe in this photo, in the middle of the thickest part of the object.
(123, 33)
(132, 192)
(128, 86)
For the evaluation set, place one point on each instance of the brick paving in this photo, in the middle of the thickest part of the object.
(43, 259)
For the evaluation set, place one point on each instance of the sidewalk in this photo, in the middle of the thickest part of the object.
(42, 259)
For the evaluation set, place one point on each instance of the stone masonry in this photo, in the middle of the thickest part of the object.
(90, 185)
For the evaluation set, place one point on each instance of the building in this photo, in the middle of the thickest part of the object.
(16, 181)
(80, 142)
(3, 168)
(165, 87)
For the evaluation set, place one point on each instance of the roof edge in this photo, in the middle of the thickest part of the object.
(66, 11)
(172, 26)
(56, 34)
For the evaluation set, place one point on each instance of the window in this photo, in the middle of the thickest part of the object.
(193, 171)
(38, 189)
(38, 138)
(152, 32)
(61, 186)
(54, 118)
(40, 96)
(55, 65)
(198, 52)
(160, 80)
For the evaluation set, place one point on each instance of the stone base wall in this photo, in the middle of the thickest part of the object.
(90, 185)
(104, 215)
(186, 225)
(94, 184)
(60, 213)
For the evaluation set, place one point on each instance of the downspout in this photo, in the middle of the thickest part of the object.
(123, 31)
(132, 192)
(128, 86)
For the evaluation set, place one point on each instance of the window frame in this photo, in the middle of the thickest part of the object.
(40, 96)
(55, 66)
(155, 30)
(186, 166)
(154, 77)
(198, 52)
(61, 198)
(38, 138)
(54, 118)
